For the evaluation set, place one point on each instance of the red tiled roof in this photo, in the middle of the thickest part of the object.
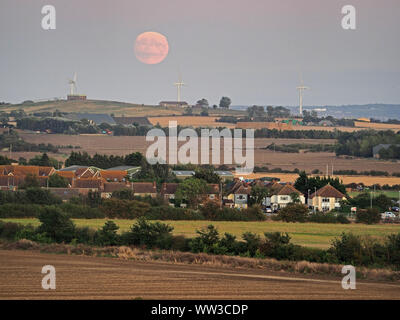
(45, 171)
(276, 186)
(144, 187)
(328, 192)
(242, 190)
(66, 174)
(18, 170)
(25, 170)
(69, 175)
(92, 183)
(114, 175)
(287, 190)
(115, 186)
(6, 169)
(86, 173)
(169, 188)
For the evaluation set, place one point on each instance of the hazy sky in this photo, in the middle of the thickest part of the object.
(250, 50)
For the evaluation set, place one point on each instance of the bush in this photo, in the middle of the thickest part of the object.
(180, 243)
(171, 213)
(208, 235)
(368, 216)
(341, 218)
(124, 209)
(15, 210)
(293, 213)
(81, 212)
(252, 242)
(31, 233)
(212, 211)
(56, 225)
(149, 234)
(107, 236)
(41, 196)
(330, 217)
(9, 230)
(320, 217)
(347, 249)
(393, 249)
(124, 194)
(276, 245)
(207, 239)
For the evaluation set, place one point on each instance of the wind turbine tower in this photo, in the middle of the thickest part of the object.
(73, 95)
(179, 86)
(301, 88)
(72, 85)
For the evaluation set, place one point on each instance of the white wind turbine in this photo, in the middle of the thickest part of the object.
(179, 86)
(301, 88)
(72, 85)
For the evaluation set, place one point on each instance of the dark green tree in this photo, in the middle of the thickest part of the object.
(225, 102)
(56, 225)
(56, 181)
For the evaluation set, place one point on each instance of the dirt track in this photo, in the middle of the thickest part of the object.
(82, 277)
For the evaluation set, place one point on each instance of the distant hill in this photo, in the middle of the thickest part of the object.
(376, 111)
(93, 106)
(108, 107)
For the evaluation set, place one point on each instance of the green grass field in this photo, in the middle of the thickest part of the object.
(388, 193)
(308, 234)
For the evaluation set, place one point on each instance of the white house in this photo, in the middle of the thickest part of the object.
(281, 197)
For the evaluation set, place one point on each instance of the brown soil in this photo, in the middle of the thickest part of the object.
(82, 277)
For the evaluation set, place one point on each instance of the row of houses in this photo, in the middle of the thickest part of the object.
(83, 179)
(280, 195)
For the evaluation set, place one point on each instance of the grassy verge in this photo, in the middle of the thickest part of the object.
(134, 253)
(388, 193)
(316, 235)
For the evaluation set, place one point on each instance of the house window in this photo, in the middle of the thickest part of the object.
(326, 200)
(285, 198)
(212, 196)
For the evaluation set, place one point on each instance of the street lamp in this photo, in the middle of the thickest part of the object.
(315, 195)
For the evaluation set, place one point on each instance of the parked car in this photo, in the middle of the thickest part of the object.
(388, 215)
(268, 210)
(395, 209)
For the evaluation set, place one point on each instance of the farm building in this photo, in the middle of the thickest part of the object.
(182, 104)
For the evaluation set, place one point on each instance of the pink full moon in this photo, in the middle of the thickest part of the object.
(151, 47)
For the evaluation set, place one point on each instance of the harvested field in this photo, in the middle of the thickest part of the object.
(377, 126)
(317, 235)
(285, 126)
(308, 161)
(288, 161)
(83, 277)
(367, 180)
(190, 121)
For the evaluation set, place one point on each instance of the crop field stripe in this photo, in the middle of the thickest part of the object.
(317, 235)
